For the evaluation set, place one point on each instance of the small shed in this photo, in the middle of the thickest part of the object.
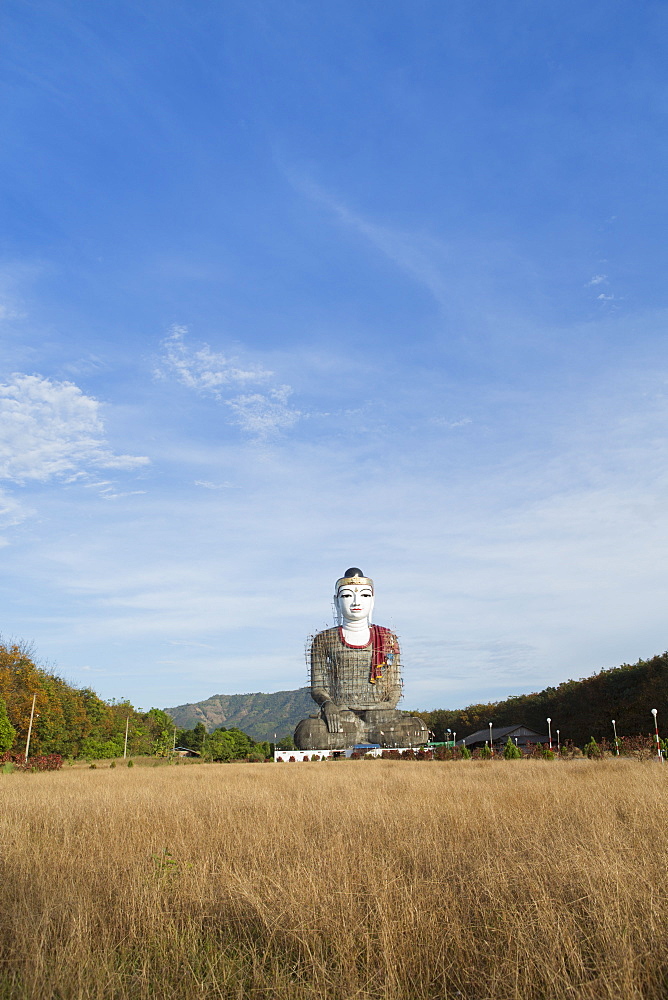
(186, 752)
(520, 734)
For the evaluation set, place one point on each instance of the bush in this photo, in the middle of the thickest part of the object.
(511, 751)
(466, 753)
(593, 750)
(45, 762)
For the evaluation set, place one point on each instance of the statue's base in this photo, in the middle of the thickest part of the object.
(387, 728)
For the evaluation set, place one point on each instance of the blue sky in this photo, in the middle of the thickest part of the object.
(290, 286)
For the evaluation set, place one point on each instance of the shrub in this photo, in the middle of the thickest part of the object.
(45, 762)
(593, 750)
(466, 753)
(511, 751)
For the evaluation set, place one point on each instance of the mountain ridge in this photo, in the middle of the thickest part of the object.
(258, 713)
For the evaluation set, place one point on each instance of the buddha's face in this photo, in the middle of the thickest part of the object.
(355, 603)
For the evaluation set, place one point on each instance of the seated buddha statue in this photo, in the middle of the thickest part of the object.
(356, 678)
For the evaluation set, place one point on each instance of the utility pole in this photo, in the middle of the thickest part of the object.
(125, 748)
(32, 715)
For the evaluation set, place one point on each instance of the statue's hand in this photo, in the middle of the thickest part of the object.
(331, 714)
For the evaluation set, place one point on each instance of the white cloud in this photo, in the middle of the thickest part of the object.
(11, 511)
(263, 416)
(214, 374)
(214, 486)
(205, 370)
(451, 424)
(51, 430)
(598, 279)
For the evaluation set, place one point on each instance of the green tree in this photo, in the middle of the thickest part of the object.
(511, 751)
(199, 734)
(7, 731)
(219, 745)
(287, 743)
(96, 749)
(192, 738)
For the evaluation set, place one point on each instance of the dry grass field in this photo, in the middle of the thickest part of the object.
(373, 880)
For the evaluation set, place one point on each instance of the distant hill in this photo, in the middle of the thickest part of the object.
(260, 715)
(579, 709)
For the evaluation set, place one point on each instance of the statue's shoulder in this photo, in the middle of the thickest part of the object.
(389, 639)
(326, 637)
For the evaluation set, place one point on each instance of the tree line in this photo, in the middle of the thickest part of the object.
(77, 723)
(580, 709)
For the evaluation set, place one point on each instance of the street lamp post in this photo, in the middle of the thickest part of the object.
(656, 734)
(558, 742)
(549, 732)
(491, 745)
(614, 729)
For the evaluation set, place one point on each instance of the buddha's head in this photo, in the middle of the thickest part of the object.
(354, 596)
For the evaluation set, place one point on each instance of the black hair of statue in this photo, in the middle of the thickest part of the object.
(353, 571)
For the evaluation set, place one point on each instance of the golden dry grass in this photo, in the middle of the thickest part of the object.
(375, 880)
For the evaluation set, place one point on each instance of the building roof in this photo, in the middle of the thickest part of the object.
(502, 733)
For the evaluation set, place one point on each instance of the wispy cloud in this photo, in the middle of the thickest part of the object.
(214, 486)
(451, 424)
(418, 255)
(204, 370)
(263, 415)
(598, 279)
(260, 414)
(52, 430)
(11, 511)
